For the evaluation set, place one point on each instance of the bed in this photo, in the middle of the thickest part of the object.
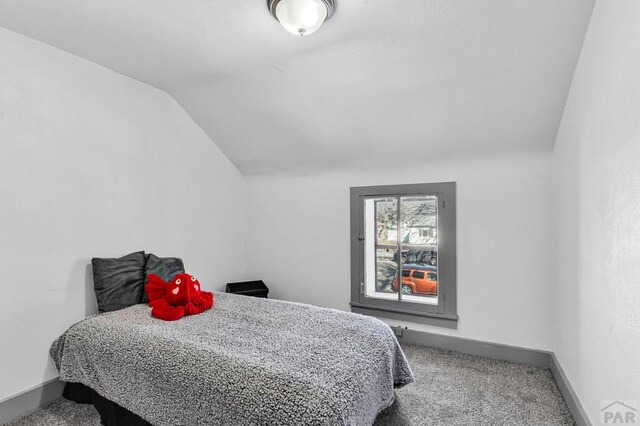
(247, 361)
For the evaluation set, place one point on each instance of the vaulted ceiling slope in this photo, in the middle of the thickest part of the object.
(381, 83)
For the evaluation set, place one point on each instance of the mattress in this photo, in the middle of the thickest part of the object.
(247, 361)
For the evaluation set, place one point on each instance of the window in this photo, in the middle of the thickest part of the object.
(403, 252)
(427, 232)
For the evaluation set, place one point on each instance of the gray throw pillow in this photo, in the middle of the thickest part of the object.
(165, 267)
(118, 283)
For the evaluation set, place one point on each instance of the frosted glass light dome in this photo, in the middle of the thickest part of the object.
(301, 17)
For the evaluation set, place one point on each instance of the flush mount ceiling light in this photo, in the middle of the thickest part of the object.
(301, 17)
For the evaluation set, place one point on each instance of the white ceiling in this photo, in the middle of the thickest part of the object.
(381, 82)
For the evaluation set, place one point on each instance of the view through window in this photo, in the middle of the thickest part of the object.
(409, 226)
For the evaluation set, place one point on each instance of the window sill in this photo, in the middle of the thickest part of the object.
(440, 320)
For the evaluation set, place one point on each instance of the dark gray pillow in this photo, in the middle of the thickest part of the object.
(118, 283)
(165, 267)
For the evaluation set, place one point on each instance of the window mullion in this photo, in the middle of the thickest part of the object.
(399, 244)
(375, 244)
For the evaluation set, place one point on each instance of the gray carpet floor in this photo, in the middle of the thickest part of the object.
(451, 389)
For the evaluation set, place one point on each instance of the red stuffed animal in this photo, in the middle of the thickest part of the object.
(182, 296)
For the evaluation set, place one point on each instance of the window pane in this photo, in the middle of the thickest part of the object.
(419, 216)
(386, 212)
(386, 270)
(380, 283)
(380, 248)
(419, 287)
(419, 232)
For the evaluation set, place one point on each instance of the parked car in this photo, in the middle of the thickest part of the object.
(418, 256)
(418, 279)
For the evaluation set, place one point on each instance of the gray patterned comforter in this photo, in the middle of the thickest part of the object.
(247, 361)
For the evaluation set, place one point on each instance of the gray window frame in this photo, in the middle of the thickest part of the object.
(445, 312)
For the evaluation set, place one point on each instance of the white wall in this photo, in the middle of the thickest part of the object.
(93, 163)
(596, 169)
(96, 164)
(298, 241)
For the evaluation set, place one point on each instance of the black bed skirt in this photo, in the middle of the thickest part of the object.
(111, 414)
